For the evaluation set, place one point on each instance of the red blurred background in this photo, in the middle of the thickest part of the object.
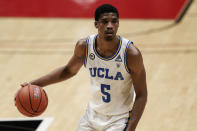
(138, 9)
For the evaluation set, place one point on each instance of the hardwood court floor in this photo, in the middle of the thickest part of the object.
(30, 48)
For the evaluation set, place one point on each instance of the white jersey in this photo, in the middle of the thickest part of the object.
(111, 83)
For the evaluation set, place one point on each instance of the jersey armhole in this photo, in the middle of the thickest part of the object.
(125, 55)
(86, 52)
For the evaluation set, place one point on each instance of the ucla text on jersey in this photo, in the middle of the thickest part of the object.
(104, 73)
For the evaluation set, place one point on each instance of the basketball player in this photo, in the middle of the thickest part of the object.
(118, 78)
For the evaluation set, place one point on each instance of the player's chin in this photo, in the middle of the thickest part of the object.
(109, 37)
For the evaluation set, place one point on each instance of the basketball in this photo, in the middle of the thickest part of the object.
(31, 100)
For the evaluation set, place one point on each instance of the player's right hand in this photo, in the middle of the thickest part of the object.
(22, 85)
(25, 84)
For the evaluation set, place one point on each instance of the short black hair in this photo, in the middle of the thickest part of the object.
(105, 8)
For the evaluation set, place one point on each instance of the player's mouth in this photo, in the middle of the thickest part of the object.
(109, 33)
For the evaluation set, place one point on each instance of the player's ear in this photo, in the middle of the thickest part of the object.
(96, 24)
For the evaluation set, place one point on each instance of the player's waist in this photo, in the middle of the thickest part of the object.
(111, 110)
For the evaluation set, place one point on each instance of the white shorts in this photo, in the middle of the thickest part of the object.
(93, 121)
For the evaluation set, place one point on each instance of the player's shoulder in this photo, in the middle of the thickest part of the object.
(134, 58)
(134, 55)
(133, 51)
(80, 47)
(81, 42)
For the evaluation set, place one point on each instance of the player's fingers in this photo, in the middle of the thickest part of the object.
(22, 85)
(25, 84)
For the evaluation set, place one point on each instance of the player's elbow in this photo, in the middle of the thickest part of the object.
(142, 95)
(67, 73)
(73, 73)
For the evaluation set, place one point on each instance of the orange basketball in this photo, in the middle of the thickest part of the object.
(31, 100)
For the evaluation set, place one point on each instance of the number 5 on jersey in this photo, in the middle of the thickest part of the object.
(106, 98)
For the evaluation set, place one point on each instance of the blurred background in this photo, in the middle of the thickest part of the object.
(38, 36)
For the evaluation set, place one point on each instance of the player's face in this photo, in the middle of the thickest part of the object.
(107, 26)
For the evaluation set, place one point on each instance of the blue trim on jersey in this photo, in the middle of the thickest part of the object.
(86, 52)
(107, 58)
(125, 55)
(127, 122)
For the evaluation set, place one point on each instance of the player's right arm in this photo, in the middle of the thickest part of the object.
(64, 72)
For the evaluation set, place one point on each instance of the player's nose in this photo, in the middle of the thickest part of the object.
(109, 25)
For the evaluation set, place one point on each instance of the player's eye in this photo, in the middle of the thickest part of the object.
(114, 21)
(104, 21)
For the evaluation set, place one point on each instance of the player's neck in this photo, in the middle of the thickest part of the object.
(107, 45)
(107, 48)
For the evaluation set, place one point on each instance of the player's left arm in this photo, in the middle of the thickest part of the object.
(138, 75)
